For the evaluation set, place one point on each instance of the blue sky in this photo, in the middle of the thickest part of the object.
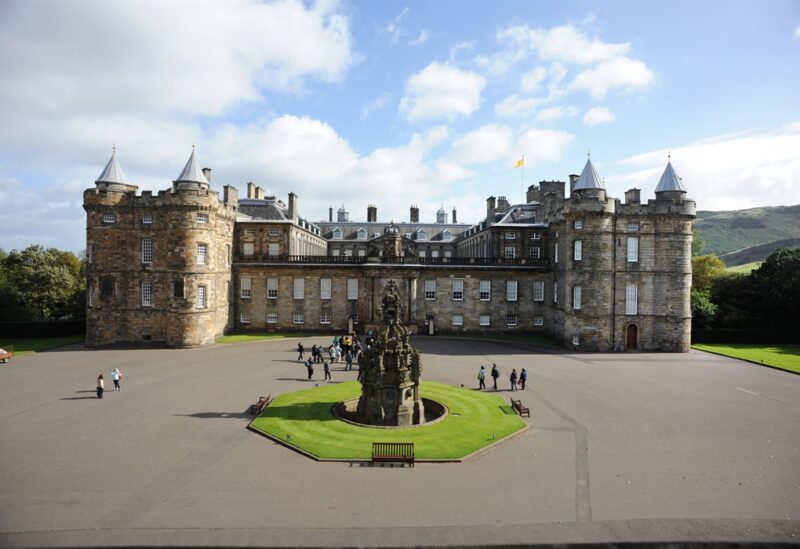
(394, 103)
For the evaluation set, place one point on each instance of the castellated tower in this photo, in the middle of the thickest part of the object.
(159, 267)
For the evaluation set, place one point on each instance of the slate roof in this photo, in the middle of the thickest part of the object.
(192, 173)
(589, 178)
(112, 172)
(670, 181)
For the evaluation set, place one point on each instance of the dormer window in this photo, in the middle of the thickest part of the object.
(447, 235)
(422, 234)
(361, 234)
(337, 234)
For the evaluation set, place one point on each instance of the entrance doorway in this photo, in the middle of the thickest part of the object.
(431, 327)
(631, 336)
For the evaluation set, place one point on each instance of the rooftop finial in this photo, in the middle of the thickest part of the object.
(113, 147)
(669, 155)
(588, 153)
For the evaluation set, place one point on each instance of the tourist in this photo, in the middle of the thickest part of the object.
(310, 366)
(314, 352)
(337, 351)
(513, 379)
(523, 377)
(116, 375)
(327, 368)
(495, 375)
(301, 351)
(100, 386)
(348, 358)
(481, 378)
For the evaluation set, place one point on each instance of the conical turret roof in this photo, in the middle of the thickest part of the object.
(589, 178)
(670, 181)
(112, 172)
(192, 173)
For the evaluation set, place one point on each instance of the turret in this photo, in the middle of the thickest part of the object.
(113, 179)
(192, 177)
(441, 215)
(342, 215)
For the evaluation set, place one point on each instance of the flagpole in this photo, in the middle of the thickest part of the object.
(522, 182)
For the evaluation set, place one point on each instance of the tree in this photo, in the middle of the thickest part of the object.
(698, 244)
(703, 310)
(776, 288)
(705, 268)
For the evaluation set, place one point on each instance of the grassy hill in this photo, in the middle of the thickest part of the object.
(745, 236)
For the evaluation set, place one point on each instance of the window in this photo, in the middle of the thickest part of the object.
(362, 252)
(485, 290)
(244, 318)
(578, 249)
(109, 218)
(633, 249)
(538, 320)
(511, 236)
(147, 250)
(201, 297)
(447, 235)
(434, 253)
(274, 231)
(555, 292)
(511, 319)
(458, 320)
(352, 288)
(485, 320)
(631, 299)
(335, 252)
(511, 290)
(249, 231)
(448, 253)
(107, 286)
(355, 318)
(272, 318)
(536, 252)
(348, 253)
(298, 318)
(337, 233)
(576, 297)
(245, 287)
(147, 219)
(511, 252)
(538, 290)
(274, 249)
(458, 289)
(178, 288)
(299, 288)
(272, 288)
(536, 236)
(324, 318)
(576, 339)
(633, 227)
(147, 293)
(555, 252)
(201, 253)
(423, 253)
(324, 288)
(422, 234)
(248, 248)
(361, 234)
(578, 224)
(202, 218)
(430, 289)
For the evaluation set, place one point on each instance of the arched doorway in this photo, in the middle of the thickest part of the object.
(631, 336)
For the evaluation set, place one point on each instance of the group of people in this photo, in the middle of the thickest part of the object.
(116, 377)
(517, 380)
(348, 347)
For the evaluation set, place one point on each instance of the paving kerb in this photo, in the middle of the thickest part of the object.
(675, 452)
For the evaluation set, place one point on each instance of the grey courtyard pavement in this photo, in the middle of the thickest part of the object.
(622, 447)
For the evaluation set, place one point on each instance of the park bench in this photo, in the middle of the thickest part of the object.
(7, 354)
(259, 406)
(520, 409)
(393, 452)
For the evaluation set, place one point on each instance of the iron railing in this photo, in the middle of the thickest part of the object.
(402, 260)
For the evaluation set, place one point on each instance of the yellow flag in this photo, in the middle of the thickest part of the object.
(520, 162)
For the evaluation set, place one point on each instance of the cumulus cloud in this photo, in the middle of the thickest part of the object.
(376, 104)
(620, 72)
(565, 44)
(555, 113)
(597, 116)
(441, 91)
(486, 144)
(515, 106)
(543, 145)
(424, 36)
(532, 80)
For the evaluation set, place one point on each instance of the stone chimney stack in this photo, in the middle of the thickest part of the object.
(372, 213)
(455, 219)
(251, 190)
(207, 173)
(491, 206)
(293, 207)
(502, 203)
(330, 214)
(259, 193)
(414, 214)
(633, 196)
(230, 195)
(573, 179)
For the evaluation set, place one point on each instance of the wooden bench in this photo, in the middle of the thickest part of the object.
(259, 406)
(520, 409)
(8, 354)
(393, 452)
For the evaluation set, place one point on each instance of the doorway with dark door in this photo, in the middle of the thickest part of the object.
(631, 336)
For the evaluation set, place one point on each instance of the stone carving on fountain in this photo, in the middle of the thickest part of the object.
(390, 371)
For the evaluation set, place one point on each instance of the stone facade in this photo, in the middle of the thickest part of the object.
(591, 271)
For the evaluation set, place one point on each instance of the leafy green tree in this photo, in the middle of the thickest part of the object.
(703, 310)
(698, 244)
(732, 294)
(705, 268)
(776, 288)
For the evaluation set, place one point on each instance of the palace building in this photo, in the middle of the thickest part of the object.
(188, 264)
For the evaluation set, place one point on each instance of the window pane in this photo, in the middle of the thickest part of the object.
(538, 320)
(352, 288)
(430, 289)
(201, 254)
(538, 290)
(147, 293)
(248, 248)
(324, 288)
(511, 290)
(511, 320)
(272, 288)
(633, 249)
(486, 290)
(458, 289)
(578, 250)
(485, 320)
(147, 250)
(201, 297)
(245, 284)
(274, 249)
(299, 288)
(458, 320)
(631, 299)
(576, 297)
(272, 318)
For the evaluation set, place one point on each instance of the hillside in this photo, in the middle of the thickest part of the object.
(744, 236)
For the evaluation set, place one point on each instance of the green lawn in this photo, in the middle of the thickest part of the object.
(785, 357)
(26, 346)
(258, 336)
(746, 268)
(304, 419)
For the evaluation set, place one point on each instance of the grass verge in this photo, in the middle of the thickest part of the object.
(26, 346)
(785, 357)
(304, 420)
(259, 336)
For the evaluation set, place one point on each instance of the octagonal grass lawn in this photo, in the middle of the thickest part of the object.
(305, 421)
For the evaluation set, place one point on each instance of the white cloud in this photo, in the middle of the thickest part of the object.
(621, 72)
(597, 116)
(542, 145)
(515, 106)
(555, 113)
(797, 32)
(441, 91)
(376, 104)
(532, 80)
(395, 27)
(423, 38)
(486, 144)
(744, 170)
(460, 47)
(564, 44)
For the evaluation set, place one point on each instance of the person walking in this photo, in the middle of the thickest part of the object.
(100, 386)
(116, 375)
(482, 378)
(513, 379)
(310, 366)
(348, 359)
(327, 368)
(495, 375)
(523, 377)
(300, 351)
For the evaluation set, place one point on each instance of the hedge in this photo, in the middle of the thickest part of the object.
(745, 336)
(40, 329)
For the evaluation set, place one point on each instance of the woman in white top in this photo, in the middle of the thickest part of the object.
(100, 386)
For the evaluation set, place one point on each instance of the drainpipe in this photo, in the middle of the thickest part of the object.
(614, 283)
